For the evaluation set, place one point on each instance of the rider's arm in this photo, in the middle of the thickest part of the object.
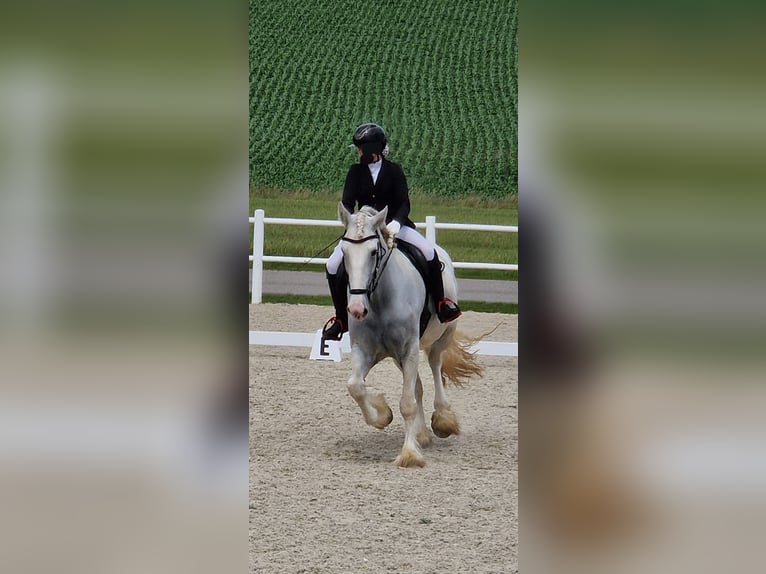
(400, 196)
(349, 191)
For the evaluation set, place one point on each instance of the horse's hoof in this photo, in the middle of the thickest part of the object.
(444, 423)
(385, 414)
(409, 459)
(383, 425)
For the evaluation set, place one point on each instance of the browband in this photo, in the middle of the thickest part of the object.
(362, 240)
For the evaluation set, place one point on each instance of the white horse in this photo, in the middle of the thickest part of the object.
(386, 297)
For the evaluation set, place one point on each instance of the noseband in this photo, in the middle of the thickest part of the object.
(381, 260)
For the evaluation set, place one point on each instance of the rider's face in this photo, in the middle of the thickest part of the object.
(374, 156)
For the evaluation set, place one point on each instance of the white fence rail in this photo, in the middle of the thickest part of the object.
(259, 220)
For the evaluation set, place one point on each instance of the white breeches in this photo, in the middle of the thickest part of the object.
(412, 236)
(335, 259)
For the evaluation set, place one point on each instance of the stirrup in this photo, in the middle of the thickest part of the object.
(447, 310)
(333, 330)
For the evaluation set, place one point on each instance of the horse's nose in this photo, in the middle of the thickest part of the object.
(357, 310)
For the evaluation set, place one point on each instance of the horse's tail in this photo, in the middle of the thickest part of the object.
(458, 361)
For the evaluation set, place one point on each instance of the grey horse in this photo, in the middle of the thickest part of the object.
(386, 297)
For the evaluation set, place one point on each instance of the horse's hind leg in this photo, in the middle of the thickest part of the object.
(408, 405)
(375, 410)
(444, 421)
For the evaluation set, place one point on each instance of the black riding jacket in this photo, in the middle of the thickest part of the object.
(390, 190)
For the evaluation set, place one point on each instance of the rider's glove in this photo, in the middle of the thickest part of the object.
(393, 227)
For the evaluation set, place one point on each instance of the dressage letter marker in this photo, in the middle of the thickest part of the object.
(283, 339)
(323, 350)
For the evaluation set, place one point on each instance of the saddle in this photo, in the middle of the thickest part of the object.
(419, 261)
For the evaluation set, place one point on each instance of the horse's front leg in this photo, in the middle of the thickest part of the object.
(375, 410)
(423, 434)
(408, 405)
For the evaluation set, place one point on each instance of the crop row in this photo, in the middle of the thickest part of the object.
(439, 76)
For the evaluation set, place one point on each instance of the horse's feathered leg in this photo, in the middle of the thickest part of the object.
(444, 421)
(408, 405)
(423, 434)
(375, 410)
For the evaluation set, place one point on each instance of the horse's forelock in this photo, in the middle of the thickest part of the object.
(362, 217)
(359, 225)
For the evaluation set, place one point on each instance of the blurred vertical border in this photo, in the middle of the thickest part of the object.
(123, 287)
(642, 323)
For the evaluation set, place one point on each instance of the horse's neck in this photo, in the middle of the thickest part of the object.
(400, 277)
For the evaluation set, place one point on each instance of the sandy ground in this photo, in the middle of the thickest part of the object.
(325, 495)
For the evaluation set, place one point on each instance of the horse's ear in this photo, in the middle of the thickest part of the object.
(380, 218)
(343, 214)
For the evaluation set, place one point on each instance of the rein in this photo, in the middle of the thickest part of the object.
(381, 260)
(310, 259)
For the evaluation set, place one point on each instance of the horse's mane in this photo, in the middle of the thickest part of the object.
(368, 210)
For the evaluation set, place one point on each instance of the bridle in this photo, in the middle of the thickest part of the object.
(382, 255)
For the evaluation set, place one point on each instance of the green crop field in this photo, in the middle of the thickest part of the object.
(440, 77)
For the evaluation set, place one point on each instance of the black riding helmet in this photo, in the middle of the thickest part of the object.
(370, 137)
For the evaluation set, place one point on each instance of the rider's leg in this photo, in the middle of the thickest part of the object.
(446, 309)
(337, 281)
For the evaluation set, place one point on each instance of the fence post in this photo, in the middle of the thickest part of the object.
(431, 228)
(257, 278)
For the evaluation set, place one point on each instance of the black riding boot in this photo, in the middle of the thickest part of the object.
(337, 325)
(446, 309)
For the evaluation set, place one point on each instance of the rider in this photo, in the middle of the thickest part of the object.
(378, 182)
